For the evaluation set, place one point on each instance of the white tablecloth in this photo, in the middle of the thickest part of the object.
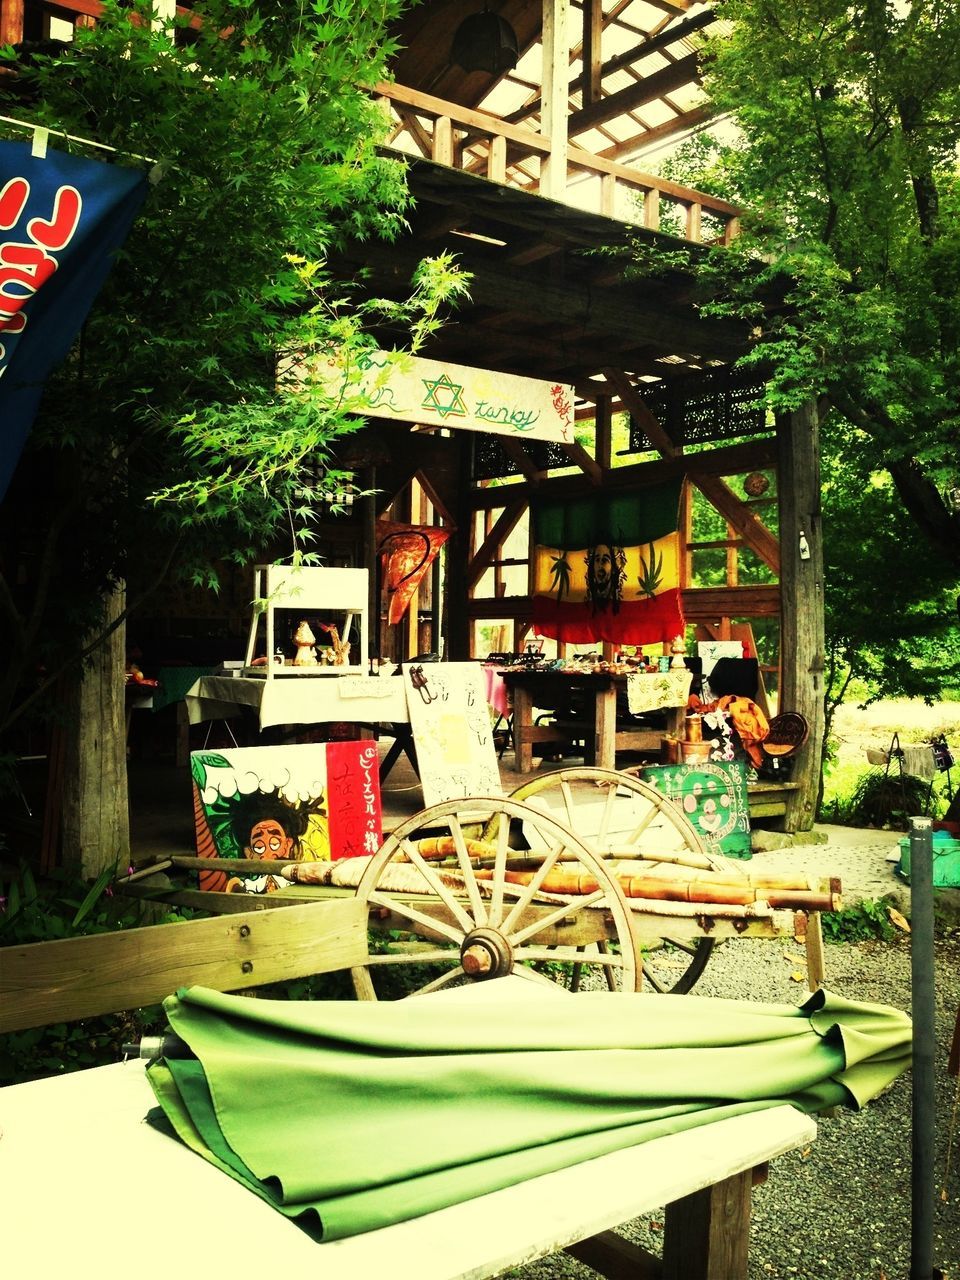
(300, 699)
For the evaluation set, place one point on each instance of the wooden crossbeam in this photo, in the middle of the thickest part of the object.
(753, 532)
(486, 554)
(646, 90)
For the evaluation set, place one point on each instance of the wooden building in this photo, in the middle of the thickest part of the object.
(528, 134)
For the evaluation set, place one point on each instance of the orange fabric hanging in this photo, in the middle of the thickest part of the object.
(406, 551)
(748, 720)
(750, 723)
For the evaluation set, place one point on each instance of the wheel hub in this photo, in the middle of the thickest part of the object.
(485, 953)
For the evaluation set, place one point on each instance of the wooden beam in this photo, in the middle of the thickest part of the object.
(617, 314)
(706, 1234)
(603, 429)
(436, 501)
(663, 39)
(44, 982)
(554, 112)
(576, 453)
(591, 49)
(487, 553)
(632, 401)
(752, 455)
(517, 454)
(755, 534)
(802, 640)
(484, 122)
(591, 52)
(677, 124)
(646, 90)
(615, 1257)
(709, 604)
(704, 605)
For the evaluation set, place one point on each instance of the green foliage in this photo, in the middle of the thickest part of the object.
(859, 923)
(188, 427)
(890, 606)
(848, 268)
(844, 154)
(885, 799)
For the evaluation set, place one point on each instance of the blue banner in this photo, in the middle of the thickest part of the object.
(61, 219)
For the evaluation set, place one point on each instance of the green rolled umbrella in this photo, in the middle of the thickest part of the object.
(351, 1116)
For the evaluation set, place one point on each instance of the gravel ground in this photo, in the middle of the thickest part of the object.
(839, 1210)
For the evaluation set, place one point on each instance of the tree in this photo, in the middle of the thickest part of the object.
(849, 268)
(181, 432)
(847, 119)
(891, 622)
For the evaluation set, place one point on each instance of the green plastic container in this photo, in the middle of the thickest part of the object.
(946, 860)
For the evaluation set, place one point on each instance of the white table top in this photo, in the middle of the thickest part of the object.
(88, 1188)
(300, 699)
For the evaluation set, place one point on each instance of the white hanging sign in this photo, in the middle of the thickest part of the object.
(431, 393)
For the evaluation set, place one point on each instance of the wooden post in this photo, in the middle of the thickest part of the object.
(96, 825)
(707, 1234)
(802, 640)
(592, 57)
(553, 111)
(443, 141)
(11, 21)
(497, 159)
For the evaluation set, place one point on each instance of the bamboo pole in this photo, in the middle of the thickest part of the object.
(693, 890)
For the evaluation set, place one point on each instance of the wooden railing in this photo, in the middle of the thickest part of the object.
(479, 142)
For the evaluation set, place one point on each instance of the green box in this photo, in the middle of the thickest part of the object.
(713, 797)
(946, 860)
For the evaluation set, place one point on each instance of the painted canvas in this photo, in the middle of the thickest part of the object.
(299, 803)
(713, 796)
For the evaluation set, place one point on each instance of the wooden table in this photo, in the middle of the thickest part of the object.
(88, 1188)
(602, 738)
(313, 699)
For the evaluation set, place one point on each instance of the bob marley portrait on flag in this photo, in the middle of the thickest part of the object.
(607, 567)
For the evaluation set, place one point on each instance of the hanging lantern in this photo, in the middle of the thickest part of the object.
(485, 42)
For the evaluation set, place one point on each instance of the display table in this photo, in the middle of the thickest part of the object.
(89, 1188)
(603, 738)
(306, 699)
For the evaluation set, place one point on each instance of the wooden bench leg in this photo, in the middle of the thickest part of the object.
(816, 965)
(612, 1256)
(707, 1234)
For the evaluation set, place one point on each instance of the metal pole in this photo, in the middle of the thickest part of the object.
(924, 1045)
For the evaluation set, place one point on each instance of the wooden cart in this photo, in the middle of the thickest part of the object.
(583, 871)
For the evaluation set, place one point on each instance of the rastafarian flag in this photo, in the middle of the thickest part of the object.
(607, 567)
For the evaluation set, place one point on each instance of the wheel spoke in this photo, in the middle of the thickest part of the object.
(450, 907)
(442, 891)
(469, 879)
(608, 812)
(654, 981)
(437, 983)
(571, 955)
(682, 944)
(533, 975)
(412, 957)
(411, 913)
(495, 914)
(568, 804)
(526, 897)
(562, 913)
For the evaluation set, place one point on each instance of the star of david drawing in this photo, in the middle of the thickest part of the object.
(445, 396)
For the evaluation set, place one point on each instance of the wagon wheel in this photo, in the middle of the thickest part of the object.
(482, 923)
(616, 812)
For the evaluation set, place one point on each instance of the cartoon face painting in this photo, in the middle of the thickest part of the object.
(269, 841)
